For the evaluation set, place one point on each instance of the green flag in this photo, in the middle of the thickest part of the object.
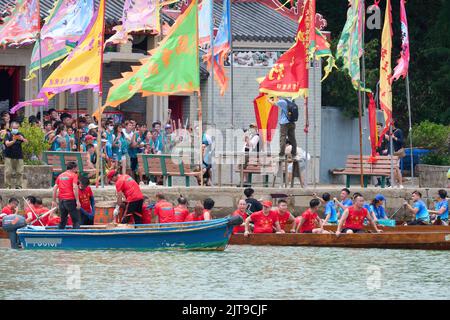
(172, 68)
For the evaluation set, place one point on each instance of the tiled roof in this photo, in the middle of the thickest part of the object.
(251, 21)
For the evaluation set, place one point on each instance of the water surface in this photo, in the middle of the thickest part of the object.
(240, 272)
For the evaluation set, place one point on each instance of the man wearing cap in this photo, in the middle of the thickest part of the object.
(376, 208)
(264, 221)
(128, 187)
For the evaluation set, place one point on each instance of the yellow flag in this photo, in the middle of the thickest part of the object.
(82, 68)
(386, 67)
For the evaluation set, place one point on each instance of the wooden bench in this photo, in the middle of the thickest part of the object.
(382, 167)
(166, 165)
(59, 160)
(264, 165)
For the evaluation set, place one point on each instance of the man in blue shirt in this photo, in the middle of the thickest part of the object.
(419, 209)
(440, 212)
(345, 201)
(330, 210)
(287, 128)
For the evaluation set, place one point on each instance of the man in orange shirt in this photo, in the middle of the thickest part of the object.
(126, 186)
(164, 212)
(66, 188)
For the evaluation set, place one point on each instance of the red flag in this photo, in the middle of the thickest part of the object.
(289, 76)
(373, 124)
(266, 117)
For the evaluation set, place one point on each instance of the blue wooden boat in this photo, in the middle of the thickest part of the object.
(199, 235)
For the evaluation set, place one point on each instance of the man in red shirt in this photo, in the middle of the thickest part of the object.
(87, 202)
(284, 216)
(38, 210)
(309, 221)
(181, 211)
(353, 218)
(164, 212)
(264, 221)
(128, 187)
(197, 214)
(11, 208)
(66, 188)
(241, 211)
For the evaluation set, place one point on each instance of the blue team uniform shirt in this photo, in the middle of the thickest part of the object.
(379, 212)
(442, 204)
(422, 214)
(331, 210)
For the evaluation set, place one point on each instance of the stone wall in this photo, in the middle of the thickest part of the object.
(226, 198)
(34, 177)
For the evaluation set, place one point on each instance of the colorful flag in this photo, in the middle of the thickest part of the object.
(386, 68)
(289, 75)
(350, 44)
(222, 47)
(65, 25)
(172, 68)
(373, 124)
(205, 20)
(401, 70)
(22, 25)
(266, 117)
(137, 15)
(82, 68)
(323, 50)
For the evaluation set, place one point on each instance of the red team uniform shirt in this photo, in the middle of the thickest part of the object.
(180, 214)
(164, 210)
(309, 221)
(85, 198)
(192, 217)
(146, 215)
(7, 210)
(55, 220)
(65, 182)
(264, 224)
(244, 215)
(129, 187)
(39, 212)
(355, 218)
(283, 219)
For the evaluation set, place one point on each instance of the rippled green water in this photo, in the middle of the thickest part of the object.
(241, 272)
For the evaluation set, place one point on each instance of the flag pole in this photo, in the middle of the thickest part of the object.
(306, 129)
(199, 102)
(360, 104)
(41, 108)
(211, 41)
(230, 12)
(99, 164)
(408, 97)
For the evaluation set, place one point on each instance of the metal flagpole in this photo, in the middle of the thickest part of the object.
(41, 108)
(391, 145)
(360, 137)
(306, 141)
(408, 97)
(232, 75)
(314, 150)
(212, 60)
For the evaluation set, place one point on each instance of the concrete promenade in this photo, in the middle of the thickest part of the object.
(226, 198)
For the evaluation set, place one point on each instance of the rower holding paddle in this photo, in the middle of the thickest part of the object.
(419, 209)
(352, 220)
(440, 212)
(127, 187)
